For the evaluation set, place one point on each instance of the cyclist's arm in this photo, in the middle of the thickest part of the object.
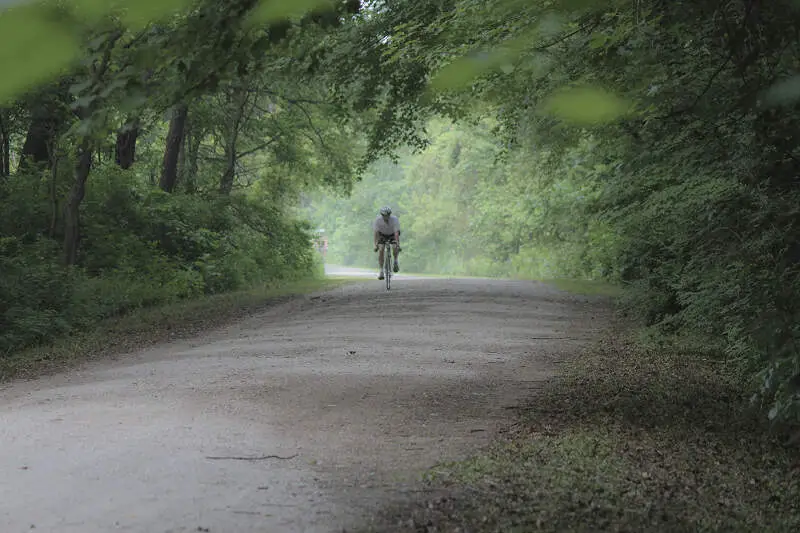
(375, 237)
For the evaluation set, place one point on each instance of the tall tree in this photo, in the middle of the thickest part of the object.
(125, 147)
(174, 143)
(5, 143)
(49, 117)
(237, 98)
(86, 108)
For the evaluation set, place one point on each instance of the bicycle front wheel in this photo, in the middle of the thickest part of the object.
(387, 268)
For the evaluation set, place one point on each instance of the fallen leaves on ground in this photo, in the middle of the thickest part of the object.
(630, 439)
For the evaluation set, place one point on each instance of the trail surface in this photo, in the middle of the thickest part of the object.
(303, 418)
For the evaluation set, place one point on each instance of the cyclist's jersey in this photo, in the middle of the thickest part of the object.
(381, 226)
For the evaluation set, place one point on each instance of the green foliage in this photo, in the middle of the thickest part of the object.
(33, 47)
(138, 14)
(466, 210)
(141, 247)
(462, 71)
(203, 206)
(275, 10)
(34, 292)
(784, 92)
(585, 105)
(696, 180)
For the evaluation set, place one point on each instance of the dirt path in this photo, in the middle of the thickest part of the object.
(356, 390)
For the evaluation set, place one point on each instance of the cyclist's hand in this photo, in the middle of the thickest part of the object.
(376, 249)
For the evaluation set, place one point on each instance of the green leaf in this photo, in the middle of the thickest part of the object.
(586, 105)
(33, 49)
(139, 13)
(575, 5)
(784, 92)
(459, 73)
(598, 40)
(276, 10)
(91, 10)
(551, 26)
(463, 71)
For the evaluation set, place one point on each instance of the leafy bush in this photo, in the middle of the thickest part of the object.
(140, 247)
(34, 291)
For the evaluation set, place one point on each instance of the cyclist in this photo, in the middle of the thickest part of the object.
(386, 228)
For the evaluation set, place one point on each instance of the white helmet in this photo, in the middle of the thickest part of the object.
(386, 211)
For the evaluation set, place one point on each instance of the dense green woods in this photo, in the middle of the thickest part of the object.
(172, 151)
(163, 159)
(468, 208)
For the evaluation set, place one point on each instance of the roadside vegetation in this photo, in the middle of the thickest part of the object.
(631, 437)
(143, 327)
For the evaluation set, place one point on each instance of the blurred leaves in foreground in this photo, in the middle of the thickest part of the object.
(275, 10)
(42, 39)
(33, 47)
(784, 92)
(586, 105)
(39, 40)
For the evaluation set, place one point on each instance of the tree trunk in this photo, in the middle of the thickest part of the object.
(53, 191)
(169, 169)
(6, 150)
(194, 139)
(187, 133)
(47, 119)
(239, 99)
(5, 144)
(226, 182)
(40, 135)
(125, 154)
(83, 165)
(72, 207)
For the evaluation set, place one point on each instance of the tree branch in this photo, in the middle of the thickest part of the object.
(740, 33)
(595, 23)
(313, 127)
(295, 100)
(256, 149)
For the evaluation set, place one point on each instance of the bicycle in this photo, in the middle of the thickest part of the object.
(387, 267)
(388, 257)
